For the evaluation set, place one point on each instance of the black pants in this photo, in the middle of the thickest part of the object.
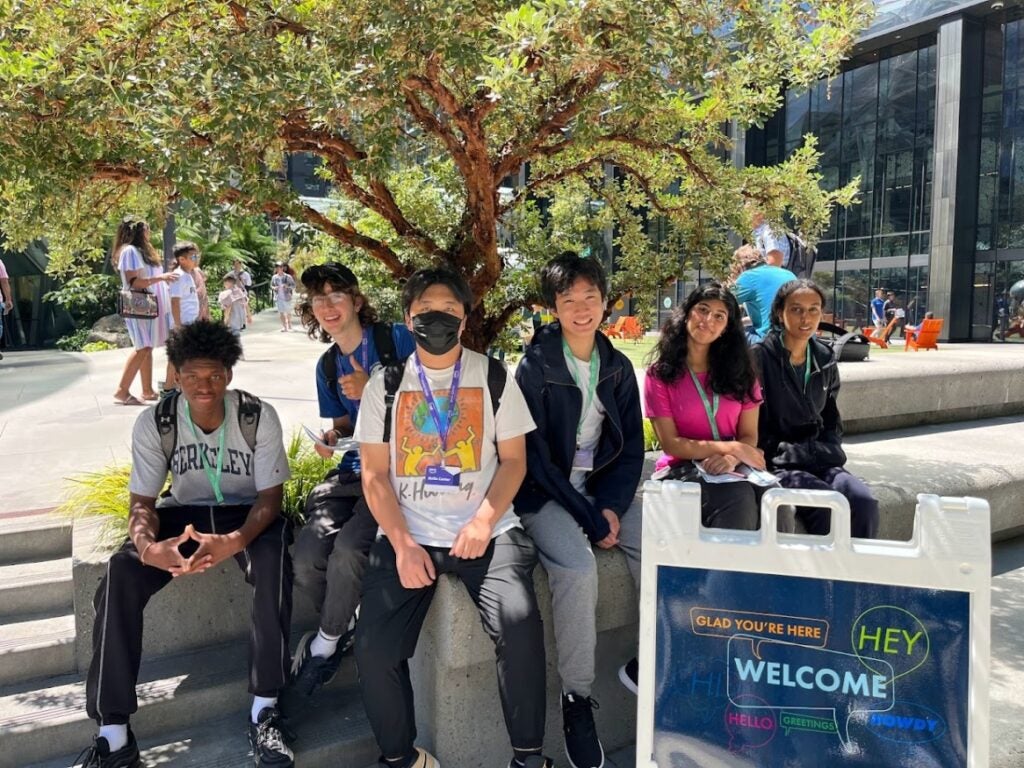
(500, 583)
(128, 585)
(722, 505)
(332, 548)
(817, 520)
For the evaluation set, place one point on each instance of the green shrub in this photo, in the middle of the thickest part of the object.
(650, 438)
(74, 342)
(98, 346)
(104, 493)
(87, 298)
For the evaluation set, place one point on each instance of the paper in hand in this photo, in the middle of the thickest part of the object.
(343, 445)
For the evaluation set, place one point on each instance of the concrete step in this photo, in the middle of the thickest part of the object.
(43, 587)
(335, 733)
(32, 537)
(37, 648)
(41, 720)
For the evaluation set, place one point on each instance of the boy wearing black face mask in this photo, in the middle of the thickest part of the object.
(440, 482)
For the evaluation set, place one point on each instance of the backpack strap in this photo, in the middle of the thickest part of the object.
(250, 408)
(392, 381)
(384, 341)
(497, 375)
(330, 365)
(166, 413)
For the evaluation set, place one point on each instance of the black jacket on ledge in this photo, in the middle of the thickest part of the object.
(798, 430)
(556, 403)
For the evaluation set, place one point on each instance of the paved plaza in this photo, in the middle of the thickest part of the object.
(57, 418)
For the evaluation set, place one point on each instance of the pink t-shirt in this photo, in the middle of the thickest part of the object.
(681, 402)
(3, 271)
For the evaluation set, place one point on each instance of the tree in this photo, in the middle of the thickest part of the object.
(418, 110)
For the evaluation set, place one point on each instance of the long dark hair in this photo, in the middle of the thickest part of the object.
(730, 368)
(132, 231)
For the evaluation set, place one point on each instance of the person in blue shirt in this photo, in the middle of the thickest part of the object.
(878, 309)
(772, 247)
(759, 280)
(331, 549)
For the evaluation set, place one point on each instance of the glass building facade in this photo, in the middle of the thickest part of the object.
(877, 121)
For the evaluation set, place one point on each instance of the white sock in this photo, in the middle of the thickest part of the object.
(259, 703)
(116, 735)
(324, 645)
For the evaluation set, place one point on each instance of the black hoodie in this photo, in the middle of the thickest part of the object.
(798, 429)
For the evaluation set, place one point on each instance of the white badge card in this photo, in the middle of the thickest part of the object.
(762, 648)
(583, 459)
(442, 479)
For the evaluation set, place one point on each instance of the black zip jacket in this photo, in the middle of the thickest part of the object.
(555, 404)
(797, 429)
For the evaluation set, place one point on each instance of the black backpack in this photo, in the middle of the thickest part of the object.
(382, 340)
(846, 347)
(801, 256)
(496, 377)
(250, 408)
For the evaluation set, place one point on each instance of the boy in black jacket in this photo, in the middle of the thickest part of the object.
(584, 462)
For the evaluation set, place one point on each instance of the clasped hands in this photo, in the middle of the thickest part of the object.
(214, 548)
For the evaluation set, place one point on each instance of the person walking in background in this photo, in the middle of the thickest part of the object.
(184, 298)
(774, 249)
(235, 305)
(6, 299)
(243, 280)
(800, 430)
(878, 309)
(141, 269)
(893, 309)
(702, 398)
(283, 286)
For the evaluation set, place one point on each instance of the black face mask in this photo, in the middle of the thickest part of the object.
(437, 332)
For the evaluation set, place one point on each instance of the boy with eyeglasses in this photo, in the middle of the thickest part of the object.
(331, 548)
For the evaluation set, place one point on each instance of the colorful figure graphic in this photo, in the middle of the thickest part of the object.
(417, 433)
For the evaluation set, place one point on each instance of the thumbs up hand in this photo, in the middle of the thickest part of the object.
(352, 384)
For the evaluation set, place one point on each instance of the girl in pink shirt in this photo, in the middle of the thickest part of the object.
(702, 397)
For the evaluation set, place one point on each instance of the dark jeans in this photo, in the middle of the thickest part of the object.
(500, 583)
(331, 549)
(817, 520)
(128, 585)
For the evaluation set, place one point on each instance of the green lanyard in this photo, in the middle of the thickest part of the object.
(807, 367)
(710, 409)
(213, 477)
(595, 368)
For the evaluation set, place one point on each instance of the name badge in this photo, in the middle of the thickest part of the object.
(583, 460)
(442, 479)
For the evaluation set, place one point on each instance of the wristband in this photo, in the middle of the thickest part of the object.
(145, 549)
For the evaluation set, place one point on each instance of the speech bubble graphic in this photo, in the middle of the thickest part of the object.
(750, 723)
(799, 721)
(907, 723)
(891, 633)
(800, 677)
(717, 622)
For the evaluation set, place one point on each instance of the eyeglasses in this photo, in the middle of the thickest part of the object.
(335, 299)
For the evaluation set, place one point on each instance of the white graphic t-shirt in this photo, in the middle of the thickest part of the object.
(435, 518)
(244, 473)
(593, 421)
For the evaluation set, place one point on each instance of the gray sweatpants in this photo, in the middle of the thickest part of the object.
(568, 558)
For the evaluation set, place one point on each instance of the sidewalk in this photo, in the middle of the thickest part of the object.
(57, 418)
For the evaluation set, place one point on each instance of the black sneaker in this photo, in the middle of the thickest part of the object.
(582, 746)
(100, 756)
(267, 738)
(311, 673)
(533, 761)
(629, 673)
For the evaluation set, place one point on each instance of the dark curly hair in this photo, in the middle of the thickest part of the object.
(203, 340)
(559, 274)
(787, 290)
(730, 367)
(341, 279)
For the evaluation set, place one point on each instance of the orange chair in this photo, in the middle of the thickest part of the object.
(925, 337)
(615, 331)
(632, 329)
(880, 340)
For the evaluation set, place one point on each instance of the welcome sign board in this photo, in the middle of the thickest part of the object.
(761, 648)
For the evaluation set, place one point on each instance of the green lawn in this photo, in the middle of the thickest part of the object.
(636, 351)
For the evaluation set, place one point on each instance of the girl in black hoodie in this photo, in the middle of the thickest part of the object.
(800, 430)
